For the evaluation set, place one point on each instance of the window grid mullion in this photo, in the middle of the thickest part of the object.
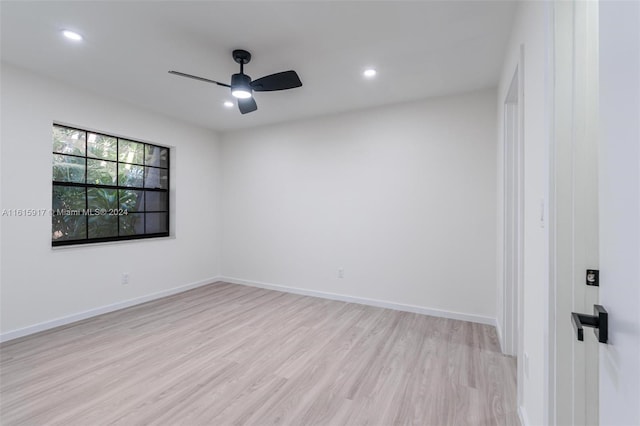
(118, 183)
(86, 189)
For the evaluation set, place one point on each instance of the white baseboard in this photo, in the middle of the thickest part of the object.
(364, 301)
(21, 332)
(522, 414)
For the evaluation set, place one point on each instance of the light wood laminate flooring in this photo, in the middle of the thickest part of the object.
(226, 354)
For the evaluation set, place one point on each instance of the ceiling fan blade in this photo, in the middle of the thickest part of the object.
(195, 77)
(247, 105)
(279, 81)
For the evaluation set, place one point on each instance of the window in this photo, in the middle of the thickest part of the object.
(107, 188)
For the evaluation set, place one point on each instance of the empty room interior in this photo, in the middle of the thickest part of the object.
(314, 212)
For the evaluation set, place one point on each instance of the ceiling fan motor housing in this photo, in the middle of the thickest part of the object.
(241, 81)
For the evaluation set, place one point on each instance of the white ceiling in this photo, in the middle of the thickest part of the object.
(420, 49)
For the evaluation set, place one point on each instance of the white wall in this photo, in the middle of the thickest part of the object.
(401, 197)
(41, 284)
(531, 30)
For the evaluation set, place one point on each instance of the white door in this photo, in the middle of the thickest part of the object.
(619, 192)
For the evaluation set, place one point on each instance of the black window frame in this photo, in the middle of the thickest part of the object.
(117, 186)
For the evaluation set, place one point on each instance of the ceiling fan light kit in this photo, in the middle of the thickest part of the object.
(242, 87)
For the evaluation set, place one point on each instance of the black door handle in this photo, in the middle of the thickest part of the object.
(599, 321)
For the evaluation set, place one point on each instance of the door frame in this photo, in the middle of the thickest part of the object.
(567, 119)
(513, 211)
(512, 291)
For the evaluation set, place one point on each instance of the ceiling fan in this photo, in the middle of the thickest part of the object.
(242, 87)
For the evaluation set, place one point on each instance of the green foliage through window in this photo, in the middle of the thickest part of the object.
(106, 188)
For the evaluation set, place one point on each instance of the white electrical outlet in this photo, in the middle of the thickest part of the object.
(340, 273)
(526, 365)
(125, 278)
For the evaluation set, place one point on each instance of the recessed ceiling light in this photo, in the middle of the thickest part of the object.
(369, 73)
(71, 35)
(228, 104)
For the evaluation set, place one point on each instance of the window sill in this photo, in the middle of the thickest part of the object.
(112, 243)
